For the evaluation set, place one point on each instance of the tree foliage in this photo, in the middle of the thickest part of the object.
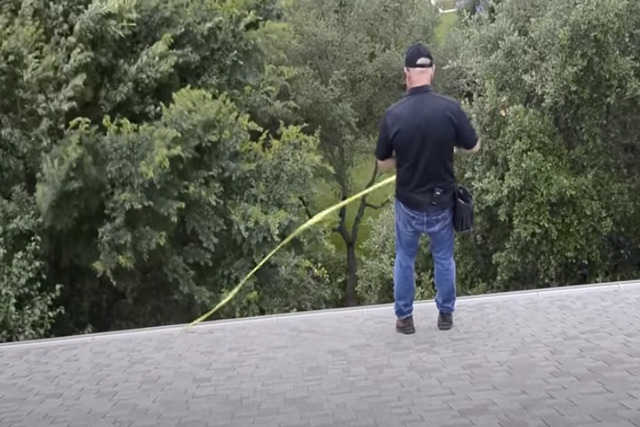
(345, 62)
(181, 208)
(27, 307)
(152, 199)
(553, 84)
(151, 153)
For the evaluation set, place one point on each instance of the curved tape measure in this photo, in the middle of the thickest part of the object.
(316, 219)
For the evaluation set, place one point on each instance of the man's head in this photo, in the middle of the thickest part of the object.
(418, 66)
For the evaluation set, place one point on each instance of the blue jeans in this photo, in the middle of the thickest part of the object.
(410, 225)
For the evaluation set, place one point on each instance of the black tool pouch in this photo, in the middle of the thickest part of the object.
(463, 210)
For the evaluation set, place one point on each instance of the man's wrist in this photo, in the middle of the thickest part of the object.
(387, 165)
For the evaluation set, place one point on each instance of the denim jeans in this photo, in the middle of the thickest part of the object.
(410, 225)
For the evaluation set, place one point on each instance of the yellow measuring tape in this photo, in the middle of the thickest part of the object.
(316, 219)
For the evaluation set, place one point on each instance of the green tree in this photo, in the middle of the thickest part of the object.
(552, 85)
(344, 62)
(131, 220)
(184, 206)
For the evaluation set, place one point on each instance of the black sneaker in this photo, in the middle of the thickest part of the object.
(445, 321)
(405, 326)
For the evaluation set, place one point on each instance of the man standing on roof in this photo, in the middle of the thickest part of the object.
(418, 136)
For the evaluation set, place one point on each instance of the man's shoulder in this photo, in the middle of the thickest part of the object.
(400, 109)
(425, 97)
(396, 106)
(446, 100)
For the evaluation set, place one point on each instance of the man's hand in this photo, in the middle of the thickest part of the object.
(387, 165)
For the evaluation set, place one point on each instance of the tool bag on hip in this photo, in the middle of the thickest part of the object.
(463, 210)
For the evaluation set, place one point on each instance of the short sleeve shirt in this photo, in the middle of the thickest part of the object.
(421, 130)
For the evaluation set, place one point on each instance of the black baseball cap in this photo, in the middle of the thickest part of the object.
(418, 56)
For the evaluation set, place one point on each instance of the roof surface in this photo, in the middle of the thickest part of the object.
(559, 358)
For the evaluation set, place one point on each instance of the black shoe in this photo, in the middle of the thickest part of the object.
(445, 321)
(405, 326)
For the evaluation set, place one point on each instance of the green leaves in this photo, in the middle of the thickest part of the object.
(28, 306)
(340, 65)
(554, 216)
(147, 192)
(551, 82)
(184, 195)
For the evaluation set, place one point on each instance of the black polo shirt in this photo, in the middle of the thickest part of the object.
(422, 129)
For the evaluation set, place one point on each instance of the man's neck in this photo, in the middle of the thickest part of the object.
(418, 87)
(422, 83)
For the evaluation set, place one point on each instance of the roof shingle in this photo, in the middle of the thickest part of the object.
(566, 358)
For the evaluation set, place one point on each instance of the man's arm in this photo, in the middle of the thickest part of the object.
(384, 148)
(387, 165)
(466, 137)
(475, 148)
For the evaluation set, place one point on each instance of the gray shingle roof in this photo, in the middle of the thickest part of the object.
(560, 358)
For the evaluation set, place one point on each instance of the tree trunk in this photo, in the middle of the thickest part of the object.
(350, 238)
(352, 276)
